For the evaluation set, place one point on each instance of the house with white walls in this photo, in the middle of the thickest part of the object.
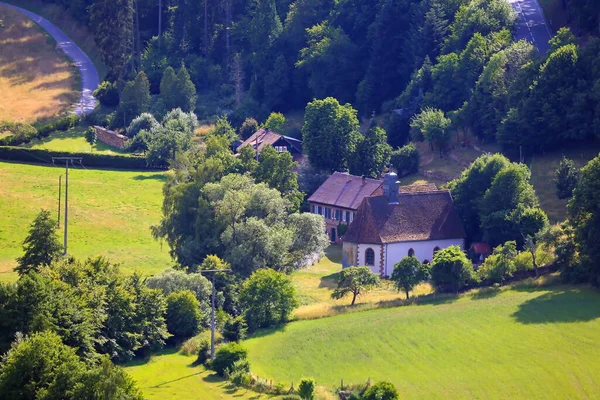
(396, 223)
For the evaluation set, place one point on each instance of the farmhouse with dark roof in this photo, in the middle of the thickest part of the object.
(394, 223)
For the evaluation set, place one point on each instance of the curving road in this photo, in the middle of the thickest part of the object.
(532, 25)
(89, 75)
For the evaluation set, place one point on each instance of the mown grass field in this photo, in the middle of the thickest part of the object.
(519, 343)
(36, 81)
(110, 213)
(171, 375)
(73, 141)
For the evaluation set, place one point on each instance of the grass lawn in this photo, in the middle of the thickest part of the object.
(316, 283)
(73, 141)
(110, 213)
(170, 375)
(36, 81)
(517, 343)
(542, 175)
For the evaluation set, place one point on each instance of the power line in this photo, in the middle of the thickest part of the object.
(66, 160)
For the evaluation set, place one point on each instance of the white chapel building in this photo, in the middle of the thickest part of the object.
(401, 221)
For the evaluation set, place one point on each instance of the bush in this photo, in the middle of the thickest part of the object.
(226, 356)
(241, 379)
(203, 352)
(89, 159)
(20, 133)
(381, 391)
(524, 261)
(66, 123)
(306, 389)
(500, 265)
(235, 329)
(451, 270)
(239, 367)
(406, 160)
(291, 397)
(107, 94)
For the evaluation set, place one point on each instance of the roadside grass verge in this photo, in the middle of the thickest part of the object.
(519, 342)
(37, 82)
(110, 213)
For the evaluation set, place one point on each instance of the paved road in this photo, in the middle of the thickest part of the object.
(89, 74)
(532, 24)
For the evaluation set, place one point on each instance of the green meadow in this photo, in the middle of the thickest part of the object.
(515, 343)
(110, 213)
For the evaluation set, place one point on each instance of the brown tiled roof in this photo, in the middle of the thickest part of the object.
(264, 137)
(344, 190)
(417, 216)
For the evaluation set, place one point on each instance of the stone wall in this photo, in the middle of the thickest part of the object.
(111, 138)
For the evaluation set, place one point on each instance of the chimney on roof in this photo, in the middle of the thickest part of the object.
(364, 179)
(390, 187)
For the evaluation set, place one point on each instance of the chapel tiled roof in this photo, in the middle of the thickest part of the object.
(417, 216)
(344, 190)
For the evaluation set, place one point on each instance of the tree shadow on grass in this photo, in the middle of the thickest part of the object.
(329, 281)
(157, 177)
(486, 293)
(175, 380)
(564, 306)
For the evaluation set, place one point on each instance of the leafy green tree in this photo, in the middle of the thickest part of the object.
(563, 37)
(112, 23)
(330, 60)
(306, 389)
(381, 391)
(330, 134)
(223, 128)
(309, 237)
(469, 189)
(355, 280)
(171, 280)
(372, 154)
(584, 216)
(268, 298)
(40, 366)
(144, 121)
(451, 270)
(500, 265)
(41, 247)
(186, 91)
(248, 128)
(509, 209)
(107, 381)
(408, 273)
(433, 126)
(275, 122)
(168, 88)
(183, 314)
(141, 87)
(405, 160)
(90, 136)
(276, 170)
(566, 177)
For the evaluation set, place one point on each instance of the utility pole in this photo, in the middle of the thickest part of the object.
(59, 187)
(212, 312)
(66, 160)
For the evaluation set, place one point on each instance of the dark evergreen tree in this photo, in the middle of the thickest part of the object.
(41, 246)
(566, 177)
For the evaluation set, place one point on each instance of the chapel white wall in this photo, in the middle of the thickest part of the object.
(423, 251)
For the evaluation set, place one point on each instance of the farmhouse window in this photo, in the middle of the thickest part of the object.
(347, 216)
(370, 257)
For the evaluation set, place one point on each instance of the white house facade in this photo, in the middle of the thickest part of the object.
(397, 224)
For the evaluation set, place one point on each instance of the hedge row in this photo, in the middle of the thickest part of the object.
(24, 133)
(11, 153)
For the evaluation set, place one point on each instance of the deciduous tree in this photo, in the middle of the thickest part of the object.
(355, 280)
(408, 273)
